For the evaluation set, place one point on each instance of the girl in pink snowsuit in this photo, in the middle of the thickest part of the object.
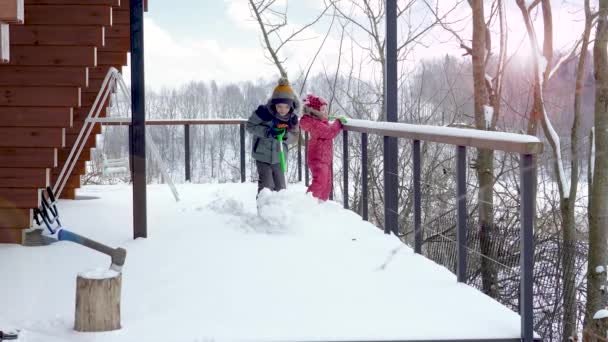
(320, 144)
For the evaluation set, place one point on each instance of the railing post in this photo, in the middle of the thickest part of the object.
(527, 211)
(331, 173)
(417, 198)
(299, 156)
(345, 166)
(461, 193)
(242, 134)
(306, 173)
(187, 150)
(138, 119)
(364, 193)
(391, 155)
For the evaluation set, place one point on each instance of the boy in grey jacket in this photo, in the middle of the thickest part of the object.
(266, 124)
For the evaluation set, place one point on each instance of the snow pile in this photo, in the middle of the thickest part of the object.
(212, 269)
(99, 273)
(601, 314)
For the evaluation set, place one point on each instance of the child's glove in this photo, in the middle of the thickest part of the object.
(341, 119)
(275, 132)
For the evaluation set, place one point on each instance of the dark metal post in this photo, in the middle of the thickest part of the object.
(364, 194)
(391, 181)
(461, 193)
(138, 122)
(331, 176)
(187, 151)
(417, 198)
(242, 133)
(131, 152)
(527, 211)
(345, 166)
(306, 172)
(299, 156)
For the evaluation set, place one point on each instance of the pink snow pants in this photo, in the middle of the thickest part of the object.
(321, 180)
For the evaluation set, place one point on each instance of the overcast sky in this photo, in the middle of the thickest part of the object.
(217, 40)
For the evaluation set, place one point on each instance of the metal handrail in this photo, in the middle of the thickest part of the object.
(109, 83)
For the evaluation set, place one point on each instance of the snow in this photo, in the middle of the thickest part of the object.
(488, 78)
(599, 269)
(542, 65)
(601, 314)
(488, 112)
(99, 273)
(212, 269)
(441, 134)
(558, 151)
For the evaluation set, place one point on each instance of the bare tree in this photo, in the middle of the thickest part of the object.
(272, 20)
(544, 69)
(598, 209)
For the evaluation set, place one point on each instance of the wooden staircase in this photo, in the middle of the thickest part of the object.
(58, 59)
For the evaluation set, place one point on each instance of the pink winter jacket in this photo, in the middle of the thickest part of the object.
(320, 143)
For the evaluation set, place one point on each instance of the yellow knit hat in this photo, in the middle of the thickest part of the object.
(283, 93)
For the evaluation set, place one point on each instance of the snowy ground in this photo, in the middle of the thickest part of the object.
(212, 270)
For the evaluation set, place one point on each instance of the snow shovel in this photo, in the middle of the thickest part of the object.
(281, 153)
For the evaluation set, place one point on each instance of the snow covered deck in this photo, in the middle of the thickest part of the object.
(212, 270)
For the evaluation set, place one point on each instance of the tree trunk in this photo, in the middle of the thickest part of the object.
(485, 158)
(568, 264)
(567, 205)
(98, 303)
(598, 211)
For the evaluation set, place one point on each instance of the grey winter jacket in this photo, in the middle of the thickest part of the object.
(265, 148)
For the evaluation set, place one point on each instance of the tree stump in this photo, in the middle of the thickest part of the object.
(98, 301)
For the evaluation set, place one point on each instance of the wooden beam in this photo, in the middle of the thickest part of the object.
(121, 16)
(16, 218)
(70, 139)
(57, 35)
(101, 70)
(118, 31)
(12, 235)
(32, 137)
(79, 169)
(36, 116)
(11, 11)
(89, 98)
(54, 55)
(81, 114)
(119, 44)
(73, 2)
(85, 154)
(24, 177)
(68, 193)
(5, 45)
(28, 157)
(68, 15)
(19, 198)
(113, 58)
(43, 76)
(75, 129)
(40, 96)
(73, 181)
